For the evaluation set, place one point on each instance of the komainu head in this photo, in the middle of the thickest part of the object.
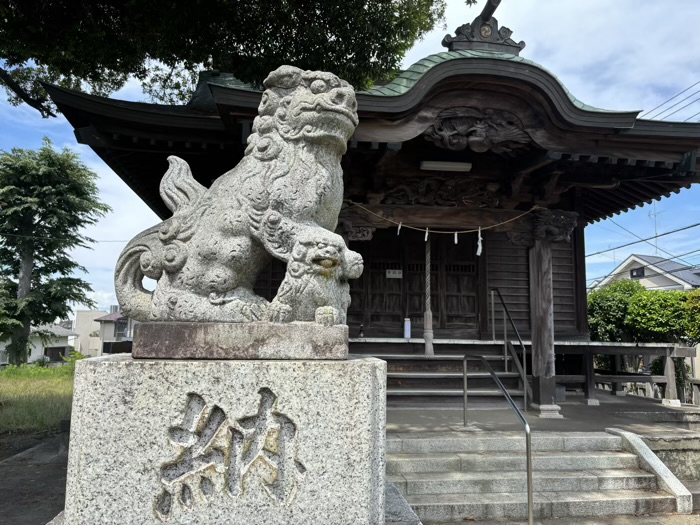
(309, 106)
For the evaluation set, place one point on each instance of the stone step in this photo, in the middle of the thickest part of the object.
(514, 481)
(472, 442)
(445, 508)
(398, 463)
(448, 375)
(437, 358)
(451, 392)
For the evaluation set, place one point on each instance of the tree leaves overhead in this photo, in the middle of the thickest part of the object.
(96, 45)
(46, 198)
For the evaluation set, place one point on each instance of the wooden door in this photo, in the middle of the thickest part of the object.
(382, 300)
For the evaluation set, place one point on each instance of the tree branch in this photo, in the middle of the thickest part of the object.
(38, 104)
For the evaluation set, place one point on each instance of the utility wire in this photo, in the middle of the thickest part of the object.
(681, 108)
(670, 99)
(656, 115)
(691, 116)
(644, 240)
(50, 238)
(648, 242)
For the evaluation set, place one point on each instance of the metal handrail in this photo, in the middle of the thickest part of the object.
(514, 408)
(526, 384)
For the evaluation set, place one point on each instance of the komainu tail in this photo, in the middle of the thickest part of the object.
(178, 189)
(136, 262)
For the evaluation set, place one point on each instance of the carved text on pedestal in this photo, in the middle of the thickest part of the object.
(218, 454)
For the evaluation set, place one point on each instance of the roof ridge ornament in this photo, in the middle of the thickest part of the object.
(483, 34)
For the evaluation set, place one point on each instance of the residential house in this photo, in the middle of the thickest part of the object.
(116, 331)
(88, 340)
(45, 341)
(655, 273)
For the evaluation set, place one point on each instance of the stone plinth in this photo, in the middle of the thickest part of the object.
(214, 442)
(297, 340)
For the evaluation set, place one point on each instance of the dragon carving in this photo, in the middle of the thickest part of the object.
(282, 200)
(479, 130)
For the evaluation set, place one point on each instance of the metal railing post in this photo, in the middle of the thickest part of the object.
(466, 403)
(505, 338)
(530, 499)
(493, 316)
(528, 437)
(520, 340)
(525, 378)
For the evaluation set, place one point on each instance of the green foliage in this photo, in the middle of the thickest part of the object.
(7, 307)
(692, 312)
(42, 362)
(657, 368)
(626, 311)
(96, 45)
(72, 358)
(607, 311)
(34, 399)
(46, 198)
(658, 316)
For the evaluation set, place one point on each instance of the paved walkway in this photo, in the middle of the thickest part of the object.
(33, 484)
(618, 520)
(636, 414)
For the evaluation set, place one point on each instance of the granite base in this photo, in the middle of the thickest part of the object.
(181, 340)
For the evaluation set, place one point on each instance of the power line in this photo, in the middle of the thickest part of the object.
(644, 240)
(670, 99)
(649, 243)
(691, 116)
(671, 107)
(681, 108)
(52, 238)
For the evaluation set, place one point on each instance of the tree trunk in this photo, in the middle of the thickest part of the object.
(19, 341)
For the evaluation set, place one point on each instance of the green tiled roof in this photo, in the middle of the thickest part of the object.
(409, 78)
(401, 84)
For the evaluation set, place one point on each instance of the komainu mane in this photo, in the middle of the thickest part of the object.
(282, 200)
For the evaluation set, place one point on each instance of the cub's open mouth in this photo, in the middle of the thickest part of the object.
(325, 262)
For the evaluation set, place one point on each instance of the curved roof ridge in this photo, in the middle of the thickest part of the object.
(410, 77)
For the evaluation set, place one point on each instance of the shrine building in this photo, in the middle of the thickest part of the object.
(476, 164)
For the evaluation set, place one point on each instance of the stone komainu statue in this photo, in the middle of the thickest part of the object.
(282, 200)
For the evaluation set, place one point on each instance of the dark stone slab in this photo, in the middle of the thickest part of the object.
(182, 340)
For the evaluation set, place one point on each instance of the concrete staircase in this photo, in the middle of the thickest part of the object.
(416, 381)
(450, 477)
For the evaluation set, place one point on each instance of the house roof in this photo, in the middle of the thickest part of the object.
(114, 316)
(685, 275)
(54, 329)
(681, 271)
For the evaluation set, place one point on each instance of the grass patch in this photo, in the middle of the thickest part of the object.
(34, 399)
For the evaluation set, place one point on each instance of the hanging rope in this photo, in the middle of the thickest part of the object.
(445, 232)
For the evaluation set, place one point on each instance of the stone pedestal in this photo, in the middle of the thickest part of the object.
(214, 442)
(298, 340)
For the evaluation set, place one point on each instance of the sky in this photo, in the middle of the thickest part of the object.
(621, 55)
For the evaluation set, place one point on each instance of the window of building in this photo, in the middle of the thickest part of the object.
(636, 273)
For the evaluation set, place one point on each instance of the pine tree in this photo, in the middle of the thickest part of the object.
(46, 198)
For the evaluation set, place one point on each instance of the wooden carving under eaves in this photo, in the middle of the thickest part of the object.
(521, 238)
(445, 191)
(361, 233)
(479, 130)
(554, 225)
